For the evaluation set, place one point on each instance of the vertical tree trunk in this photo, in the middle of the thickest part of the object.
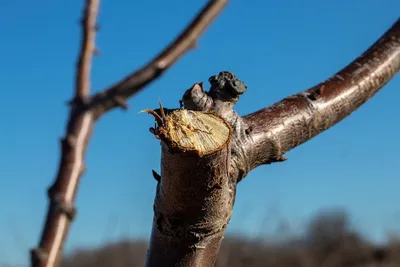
(195, 194)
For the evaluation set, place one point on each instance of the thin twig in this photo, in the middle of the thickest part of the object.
(62, 193)
(87, 48)
(135, 82)
(83, 116)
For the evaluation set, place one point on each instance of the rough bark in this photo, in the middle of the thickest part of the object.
(183, 197)
(85, 110)
(195, 194)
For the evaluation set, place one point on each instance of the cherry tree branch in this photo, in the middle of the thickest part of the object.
(85, 110)
(117, 94)
(87, 48)
(196, 191)
(62, 193)
(264, 136)
(281, 127)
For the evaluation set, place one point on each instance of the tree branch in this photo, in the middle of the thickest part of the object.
(195, 194)
(117, 94)
(279, 128)
(196, 191)
(264, 136)
(62, 193)
(85, 110)
(87, 48)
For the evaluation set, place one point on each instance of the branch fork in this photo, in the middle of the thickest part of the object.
(86, 109)
(207, 148)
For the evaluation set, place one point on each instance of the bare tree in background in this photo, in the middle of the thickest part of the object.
(207, 148)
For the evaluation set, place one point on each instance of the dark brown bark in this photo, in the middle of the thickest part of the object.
(196, 190)
(195, 195)
(85, 110)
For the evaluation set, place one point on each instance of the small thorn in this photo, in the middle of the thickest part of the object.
(161, 109)
(97, 27)
(155, 115)
(121, 102)
(156, 175)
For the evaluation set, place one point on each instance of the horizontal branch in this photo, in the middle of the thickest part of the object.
(117, 94)
(298, 118)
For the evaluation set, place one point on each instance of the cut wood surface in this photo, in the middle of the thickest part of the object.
(195, 193)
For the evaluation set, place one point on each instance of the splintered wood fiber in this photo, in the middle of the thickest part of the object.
(198, 131)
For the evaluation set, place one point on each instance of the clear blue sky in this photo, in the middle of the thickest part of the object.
(277, 47)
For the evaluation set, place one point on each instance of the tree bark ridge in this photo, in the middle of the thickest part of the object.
(117, 94)
(61, 194)
(194, 197)
(84, 112)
